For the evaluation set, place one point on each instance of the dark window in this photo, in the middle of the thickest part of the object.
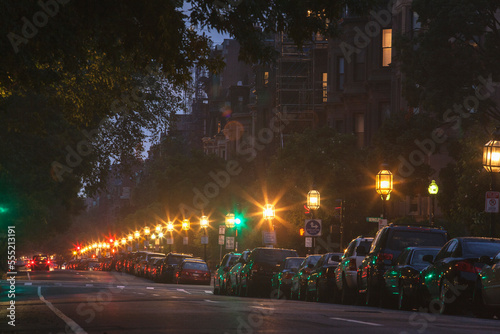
(359, 66)
(401, 239)
(340, 73)
(478, 248)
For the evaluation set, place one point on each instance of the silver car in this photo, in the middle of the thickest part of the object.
(487, 293)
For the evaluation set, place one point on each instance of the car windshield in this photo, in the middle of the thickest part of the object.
(418, 255)
(293, 263)
(313, 259)
(233, 260)
(402, 239)
(365, 244)
(195, 266)
(273, 255)
(480, 248)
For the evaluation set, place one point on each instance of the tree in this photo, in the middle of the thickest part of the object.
(451, 63)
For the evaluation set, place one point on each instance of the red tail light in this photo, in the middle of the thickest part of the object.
(384, 256)
(467, 267)
(48, 261)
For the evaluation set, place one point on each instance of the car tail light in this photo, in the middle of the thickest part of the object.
(384, 256)
(352, 265)
(48, 261)
(466, 266)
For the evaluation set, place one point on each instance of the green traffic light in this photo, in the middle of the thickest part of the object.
(237, 221)
(3, 209)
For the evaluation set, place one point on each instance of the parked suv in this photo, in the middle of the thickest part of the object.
(226, 263)
(171, 261)
(386, 247)
(346, 274)
(40, 262)
(262, 264)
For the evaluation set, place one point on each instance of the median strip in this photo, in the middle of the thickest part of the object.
(358, 322)
(73, 325)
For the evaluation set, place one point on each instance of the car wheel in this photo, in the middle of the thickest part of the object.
(403, 302)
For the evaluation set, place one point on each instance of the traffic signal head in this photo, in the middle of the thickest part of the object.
(301, 232)
(237, 221)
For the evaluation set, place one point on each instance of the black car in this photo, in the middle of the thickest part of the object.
(262, 264)
(282, 280)
(389, 242)
(226, 263)
(451, 278)
(402, 281)
(171, 261)
(321, 282)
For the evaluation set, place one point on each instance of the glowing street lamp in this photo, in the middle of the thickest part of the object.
(158, 228)
(130, 237)
(146, 230)
(384, 185)
(204, 225)
(229, 221)
(186, 224)
(204, 221)
(269, 212)
(170, 226)
(160, 235)
(313, 200)
(137, 234)
(153, 236)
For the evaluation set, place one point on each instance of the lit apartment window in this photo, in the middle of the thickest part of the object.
(266, 79)
(386, 47)
(325, 87)
(341, 73)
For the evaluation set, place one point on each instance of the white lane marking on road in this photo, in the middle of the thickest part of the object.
(120, 286)
(358, 322)
(177, 297)
(264, 308)
(89, 284)
(209, 292)
(73, 325)
(28, 283)
(182, 290)
(150, 288)
(210, 301)
(156, 295)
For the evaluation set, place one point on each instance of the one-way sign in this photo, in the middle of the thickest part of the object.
(312, 228)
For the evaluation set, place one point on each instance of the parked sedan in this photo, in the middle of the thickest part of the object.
(403, 280)
(299, 280)
(192, 271)
(282, 280)
(321, 282)
(487, 293)
(450, 279)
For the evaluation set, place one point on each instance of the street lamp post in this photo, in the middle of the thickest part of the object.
(491, 162)
(204, 225)
(269, 214)
(384, 186)
(230, 223)
(137, 235)
(313, 203)
(433, 190)
(186, 224)
(170, 230)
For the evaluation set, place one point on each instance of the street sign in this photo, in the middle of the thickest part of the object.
(221, 240)
(373, 219)
(492, 201)
(204, 239)
(170, 241)
(312, 228)
(309, 242)
(269, 238)
(222, 229)
(382, 223)
(229, 242)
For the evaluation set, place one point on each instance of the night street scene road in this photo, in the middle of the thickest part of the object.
(249, 166)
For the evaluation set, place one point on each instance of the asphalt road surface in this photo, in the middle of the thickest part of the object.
(70, 301)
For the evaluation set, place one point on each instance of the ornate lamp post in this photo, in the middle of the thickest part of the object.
(313, 203)
(186, 224)
(491, 162)
(204, 225)
(170, 230)
(384, 186)
(433, 190)
(137, 235)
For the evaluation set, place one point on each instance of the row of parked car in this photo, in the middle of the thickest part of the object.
(404, 267)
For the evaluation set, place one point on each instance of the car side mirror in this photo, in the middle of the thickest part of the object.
(361, 250)
(428, 258)
(486, 260)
